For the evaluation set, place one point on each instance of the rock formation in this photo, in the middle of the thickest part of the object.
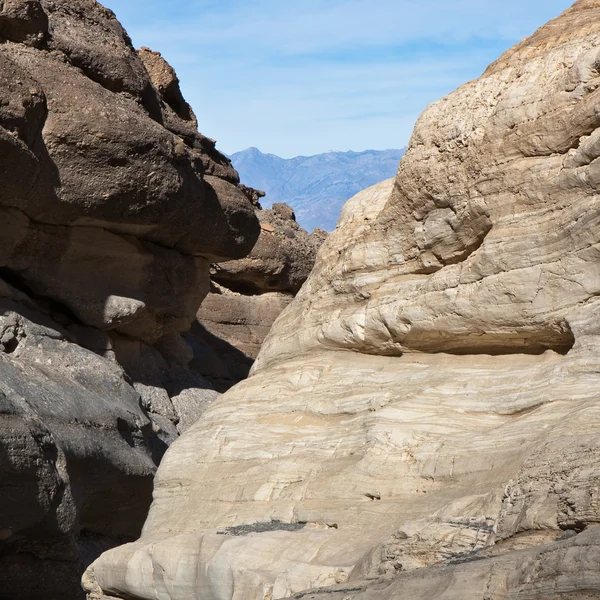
(248, 294)
(112, 208)
(423, 419)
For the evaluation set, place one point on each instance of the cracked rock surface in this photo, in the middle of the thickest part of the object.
(428, 407)
(112, 208)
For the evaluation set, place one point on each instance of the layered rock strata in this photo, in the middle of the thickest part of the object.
(424, 419)
(247, 296)
(112, 208)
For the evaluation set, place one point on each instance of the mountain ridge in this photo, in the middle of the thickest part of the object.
(316, 186)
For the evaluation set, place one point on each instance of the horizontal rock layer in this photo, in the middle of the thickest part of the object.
(422, 420)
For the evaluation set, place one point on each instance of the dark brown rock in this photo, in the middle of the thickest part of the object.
(166, 82)
(248, 295)
(280, 261)
(108, 281)
(113, 206)
(76, 154)
(253, 195)
(229, 332)
(92, 39)
(123, 171)
(23, 21)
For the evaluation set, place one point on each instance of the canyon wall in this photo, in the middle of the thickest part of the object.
(423, 419)
(112, 208)
(247, 296)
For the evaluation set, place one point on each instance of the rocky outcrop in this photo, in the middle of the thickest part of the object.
(423, 419)
(247, 296)
(280, 261)
(112, 208)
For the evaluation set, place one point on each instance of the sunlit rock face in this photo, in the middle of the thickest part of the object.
(112, 207)
(423, 420)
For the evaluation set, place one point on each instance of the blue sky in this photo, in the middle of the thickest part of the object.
(298, 77)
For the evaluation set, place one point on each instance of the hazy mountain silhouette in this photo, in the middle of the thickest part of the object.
(316, 187)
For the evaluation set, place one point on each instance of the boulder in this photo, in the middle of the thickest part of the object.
(281, 259)
(423, 419)
(114, 202)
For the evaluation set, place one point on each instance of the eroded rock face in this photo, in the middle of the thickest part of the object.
(426, 411)
(247, 296)
(71, 428)
(281, 260)
(112, 208)
(120, 164)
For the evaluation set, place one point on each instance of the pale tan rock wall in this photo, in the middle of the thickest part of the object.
(487, 241)
(423, 420)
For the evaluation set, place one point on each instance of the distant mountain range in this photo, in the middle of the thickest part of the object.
(316, 187)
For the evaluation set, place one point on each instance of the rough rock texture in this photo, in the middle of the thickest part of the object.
(428, 407)
(248, 295)
(71, 429)
(280, 261)
(112, 208)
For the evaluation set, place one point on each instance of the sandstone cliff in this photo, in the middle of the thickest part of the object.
(423, 420)
(112, 207)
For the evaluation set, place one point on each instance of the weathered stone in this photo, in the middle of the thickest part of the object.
(23, 21)
(229, 332)
(247, 296)
(279, 262)
(166, 82)
(191, 403)
(112, 207)
(71, 429)
(91, 39)
(79, 156)
(428, 405)
(109, 281)
(123, 171)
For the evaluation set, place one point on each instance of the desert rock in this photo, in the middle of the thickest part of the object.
(113, 206)
(281, 259)
(247, 296)
(423, 419)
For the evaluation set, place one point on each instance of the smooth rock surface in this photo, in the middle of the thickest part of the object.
(426, 412)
